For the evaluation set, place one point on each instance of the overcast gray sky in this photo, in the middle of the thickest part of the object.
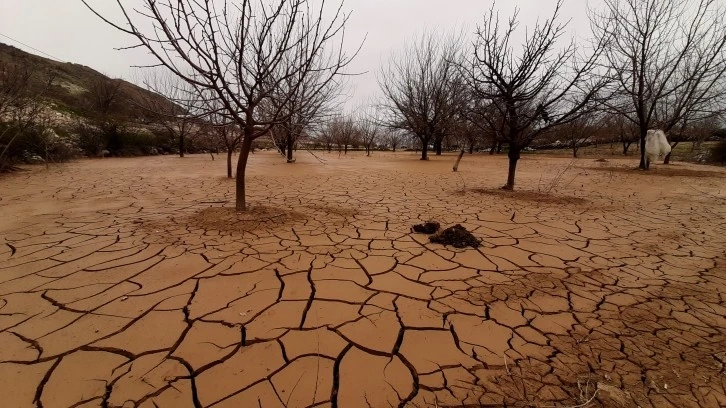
(66, 30)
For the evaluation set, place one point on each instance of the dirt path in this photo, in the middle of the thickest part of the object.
(125, 282)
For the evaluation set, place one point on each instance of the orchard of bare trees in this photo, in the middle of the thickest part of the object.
(244, 70)
(255, 58)
(666, 61)
(649, 64)
(500, 213)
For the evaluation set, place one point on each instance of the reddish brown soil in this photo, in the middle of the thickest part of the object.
(131, 282)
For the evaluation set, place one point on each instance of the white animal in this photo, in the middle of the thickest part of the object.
(656, 146)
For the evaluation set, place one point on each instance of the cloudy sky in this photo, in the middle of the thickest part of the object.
(68, 31)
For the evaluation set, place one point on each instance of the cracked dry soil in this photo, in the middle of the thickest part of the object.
(123, 282)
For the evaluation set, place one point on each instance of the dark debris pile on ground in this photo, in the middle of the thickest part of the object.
(456, 236)
(430, 227)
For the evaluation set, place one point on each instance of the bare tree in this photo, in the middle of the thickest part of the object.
(368, 128)
(327, 135)
(484, 122)
(470, 137)
(624, 130)
(304, 101)
(343, 131)
(104, 92)
(534, 90)
(15, 106)
(412, 140)
(47, 140)
(422, 89)
(14, 87)
(394, 138)
(667, 57)
(471, 130)
(180, 116)
(579, 131)
(702, 129)
(241, 52)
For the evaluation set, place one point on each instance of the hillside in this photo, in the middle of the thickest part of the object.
(82, 112)
(74, 87)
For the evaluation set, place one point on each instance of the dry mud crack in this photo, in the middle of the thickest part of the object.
(126, 283)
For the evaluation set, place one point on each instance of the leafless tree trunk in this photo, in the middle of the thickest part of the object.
(458, 160)
(231, 141)
(47, 138)
(290, 142)
(534, 90)
(226, 133)
(242, 52)
(422, 90)
(667, 58)
(626, 141)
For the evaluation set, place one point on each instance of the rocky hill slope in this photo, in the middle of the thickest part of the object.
(77, 90)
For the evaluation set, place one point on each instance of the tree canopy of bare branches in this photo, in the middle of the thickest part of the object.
(667, 59)
(422, 89)
(104, 93)
(181, 116)
(393, 139)
(326, 135)
(242, 52)
(535, 89)
(342, 131)
(483, 124)
(579, 131)
(304, 102)
(368, 128)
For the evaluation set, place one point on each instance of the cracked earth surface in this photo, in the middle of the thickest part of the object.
(125, 282)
